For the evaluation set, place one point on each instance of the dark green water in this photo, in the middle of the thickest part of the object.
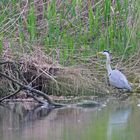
(117, 120)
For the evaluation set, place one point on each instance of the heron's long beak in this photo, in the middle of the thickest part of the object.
(99, 53)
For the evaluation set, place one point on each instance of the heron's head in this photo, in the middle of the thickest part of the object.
(105, 52)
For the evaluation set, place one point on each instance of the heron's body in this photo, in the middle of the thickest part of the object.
(116, 78)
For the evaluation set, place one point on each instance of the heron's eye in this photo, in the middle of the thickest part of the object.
(105, 51)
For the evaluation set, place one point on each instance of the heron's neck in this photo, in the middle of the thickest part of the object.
(108, 64)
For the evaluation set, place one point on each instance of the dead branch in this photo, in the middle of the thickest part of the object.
(19, 100)
(6, 62)
(9, 96)
(35, 98)
(29, 88)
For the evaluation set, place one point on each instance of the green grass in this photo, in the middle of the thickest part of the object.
(72, 26)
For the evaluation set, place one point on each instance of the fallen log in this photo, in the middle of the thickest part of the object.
(31, 90)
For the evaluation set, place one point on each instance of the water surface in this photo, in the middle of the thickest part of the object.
(117, 120)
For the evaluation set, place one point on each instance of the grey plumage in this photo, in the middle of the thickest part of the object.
(116, 78)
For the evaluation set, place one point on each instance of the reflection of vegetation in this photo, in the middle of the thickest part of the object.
(116, 122)
(95, 129)
(98, 128)
(24, 112)
(133, 128)
(73, 123)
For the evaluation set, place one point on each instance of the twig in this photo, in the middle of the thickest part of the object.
(6, 62)
(51, 77)
(28, 88)
(8, 96)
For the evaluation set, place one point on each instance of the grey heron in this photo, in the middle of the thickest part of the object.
(116, 78)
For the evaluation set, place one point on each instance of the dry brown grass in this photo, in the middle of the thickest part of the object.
(88, 78)
(41, 70)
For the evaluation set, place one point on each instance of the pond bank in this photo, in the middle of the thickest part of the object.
(39, 72)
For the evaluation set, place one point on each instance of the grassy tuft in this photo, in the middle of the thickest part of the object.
(72, 32)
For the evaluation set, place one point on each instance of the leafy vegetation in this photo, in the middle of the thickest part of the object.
(76, 28)
(71, 32)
